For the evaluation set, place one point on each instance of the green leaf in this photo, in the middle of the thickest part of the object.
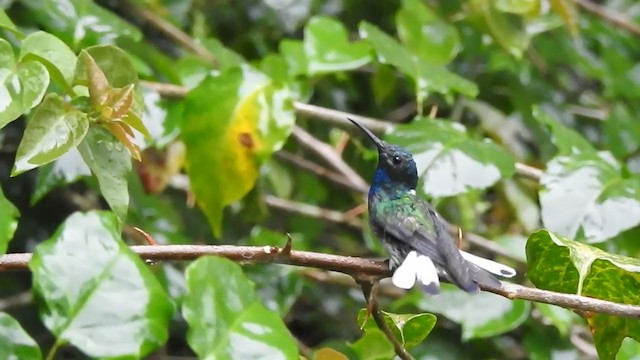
(15, 343)
(498, 315)
(585, 196)
(449, 162)
(226, 319)
(53, 53)
(95, 293)
(54, 129)
(232, 123)
(9, 215)
(6, 23)
(80, 22)
(566, 9)
(65, 170)
(427, 77)
(328, 49)
(293, 53)
(507, 29)
(426, 35)
(22, 85)
(410, 329)
(559, 264)
(621, 132)
(114, 63)
(517, 6)
(225, 58)
(110, 162)
(373, 345)
(559, 317)
(567, 140)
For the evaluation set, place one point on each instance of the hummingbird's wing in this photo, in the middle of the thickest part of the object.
(413, 222)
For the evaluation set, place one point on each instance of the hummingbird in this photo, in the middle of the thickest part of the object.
(412, 233)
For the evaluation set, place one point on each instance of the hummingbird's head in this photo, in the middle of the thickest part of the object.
(395, 164)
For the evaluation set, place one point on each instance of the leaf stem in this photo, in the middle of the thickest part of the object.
(52, 352)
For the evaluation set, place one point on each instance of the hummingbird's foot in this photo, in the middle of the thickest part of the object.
(388, 263)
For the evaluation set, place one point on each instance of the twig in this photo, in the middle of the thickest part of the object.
(328, 154)
(173, 32)
(369, 292)
(361, 269)
(614, 18)
(335, 117)
(319, 170)
(312, 211)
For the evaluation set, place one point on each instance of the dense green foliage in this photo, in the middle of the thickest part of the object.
(94, 145)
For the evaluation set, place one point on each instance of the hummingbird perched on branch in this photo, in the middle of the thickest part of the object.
(414, 236)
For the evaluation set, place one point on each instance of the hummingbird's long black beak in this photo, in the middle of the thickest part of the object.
(379, 143)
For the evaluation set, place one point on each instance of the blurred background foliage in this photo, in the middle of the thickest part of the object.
(520, 114)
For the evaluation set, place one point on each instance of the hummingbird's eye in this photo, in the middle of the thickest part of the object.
(396, 160)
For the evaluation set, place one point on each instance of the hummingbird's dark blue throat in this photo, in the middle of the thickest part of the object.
(413, 235)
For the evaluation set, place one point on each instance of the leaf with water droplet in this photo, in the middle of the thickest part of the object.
(15, 342)
(559, 264)
(253, 119)
(22, 85)
(9, 215)
(55, 128)
(226, 319)
(328, 49)
(449, 161)
(110, 162)
(95, 293)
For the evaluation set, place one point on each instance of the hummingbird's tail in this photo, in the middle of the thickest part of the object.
(482, 269)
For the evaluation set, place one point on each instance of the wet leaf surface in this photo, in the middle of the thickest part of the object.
(226, 318)
(97, 294)
(563, 265)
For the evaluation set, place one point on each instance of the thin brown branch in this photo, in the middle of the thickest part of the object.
(319, 170)
(369, 292)
(361, 269)
(172, 32)
(328, 154)
(311, 211)
(614, 18)
(335, 117)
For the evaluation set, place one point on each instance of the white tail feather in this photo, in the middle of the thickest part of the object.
(489, 265)
(405, 275)
(427, 275)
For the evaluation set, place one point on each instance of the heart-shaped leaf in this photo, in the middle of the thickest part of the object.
(110, 162)
(328, 49)
(22, 85)
(9, 215)
(409, 329)
(449, 162)
(226, 319)
(15, 343)
(426, 35)
(232, 123)
(55, 128)
(97, 294)
(563, 265)
(498, 315)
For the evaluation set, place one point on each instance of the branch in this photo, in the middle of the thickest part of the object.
(335, 117)
(328, 154)
(312, 211)
(361, 269)
(369, 292)
(614, 18)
